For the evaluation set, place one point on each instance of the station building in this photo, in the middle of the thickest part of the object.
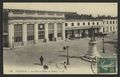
(24, 27)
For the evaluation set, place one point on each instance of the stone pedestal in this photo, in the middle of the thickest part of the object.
(92, 53)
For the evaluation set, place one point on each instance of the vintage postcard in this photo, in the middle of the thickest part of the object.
(60, 38)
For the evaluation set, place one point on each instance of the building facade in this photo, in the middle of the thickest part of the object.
(24, 27)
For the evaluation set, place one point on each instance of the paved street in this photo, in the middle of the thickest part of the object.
(54, 56)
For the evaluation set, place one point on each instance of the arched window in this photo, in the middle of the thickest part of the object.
(110, 22)
(107, 22)
(83, 23)
(78, 24)
(88, 23)
(66, 24)
(93, 23)
(72, 24)
(97, 23)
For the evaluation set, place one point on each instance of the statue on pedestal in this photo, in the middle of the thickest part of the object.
(92, 35)
(92, 53)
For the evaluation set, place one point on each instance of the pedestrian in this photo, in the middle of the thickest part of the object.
(64, 48)
(41, 60)
(65, 65)
(45, 67)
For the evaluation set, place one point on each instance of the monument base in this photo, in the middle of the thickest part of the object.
(92, 53)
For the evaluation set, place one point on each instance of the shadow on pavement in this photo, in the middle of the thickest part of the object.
(70, 56)
(110, 42)
(36, 63)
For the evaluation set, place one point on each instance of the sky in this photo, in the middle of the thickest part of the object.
(81, 8)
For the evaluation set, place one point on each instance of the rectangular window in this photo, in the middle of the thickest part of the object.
(59, 30)
(66, 24)
(113, 22)
(110, 22)
(110, 28)
(72, 24)
(41, 31)
(59, 34)
(50, 28)
(78, 24)
(18, 33)
(30, 32)
(107, 22)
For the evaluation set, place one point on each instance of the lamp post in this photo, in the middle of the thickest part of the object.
(66, 48)
(67, 55)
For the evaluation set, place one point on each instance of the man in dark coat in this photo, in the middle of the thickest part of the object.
(41, 60)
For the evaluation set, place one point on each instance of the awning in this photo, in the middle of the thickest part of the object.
(83, 27)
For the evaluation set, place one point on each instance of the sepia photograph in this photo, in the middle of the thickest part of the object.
(60, 38)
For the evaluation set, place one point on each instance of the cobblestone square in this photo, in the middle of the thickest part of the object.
(27, 57)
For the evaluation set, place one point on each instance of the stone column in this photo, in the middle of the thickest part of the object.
(115, 28)
(46, 32)
(112, 28)
(105, 29)
(108, 29)
(100, 29)
(24, 33)
(35, 33)
(63, 31)
(11, 34)
(55, 31)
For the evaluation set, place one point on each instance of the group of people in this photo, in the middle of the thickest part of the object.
(46, 67)
(41, 61)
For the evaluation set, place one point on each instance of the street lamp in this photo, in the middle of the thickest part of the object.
(103, 44)
(66, 48)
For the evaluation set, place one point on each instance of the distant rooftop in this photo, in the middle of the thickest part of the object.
(68, 15)
(85, 16)
(21, 10)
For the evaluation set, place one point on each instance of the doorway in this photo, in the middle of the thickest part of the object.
(5, 41)
(51, 37)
